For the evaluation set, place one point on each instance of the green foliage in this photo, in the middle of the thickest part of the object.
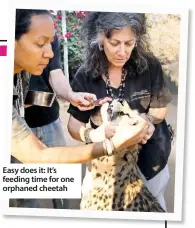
(75, 45)
(72, 38)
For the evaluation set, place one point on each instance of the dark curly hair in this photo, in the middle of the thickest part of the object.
(23, 20)
(97, 23)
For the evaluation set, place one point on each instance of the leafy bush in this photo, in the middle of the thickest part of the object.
(72, 38)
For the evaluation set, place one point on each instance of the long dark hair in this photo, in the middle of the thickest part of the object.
(97, 23)
(23, 20)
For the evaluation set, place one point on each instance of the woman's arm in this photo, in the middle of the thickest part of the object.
(27, 148)
(62, 88)
(31, 150)
(76, 128)
(157, 115)
(154, 116)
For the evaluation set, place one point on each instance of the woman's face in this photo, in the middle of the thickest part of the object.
(33, 50)
(119, 46)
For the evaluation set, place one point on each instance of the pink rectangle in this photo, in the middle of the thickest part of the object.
(3, 50)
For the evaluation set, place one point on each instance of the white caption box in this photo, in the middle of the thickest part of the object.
(41, 181)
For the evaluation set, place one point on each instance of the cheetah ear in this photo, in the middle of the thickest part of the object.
(104, 113)
(127, 110)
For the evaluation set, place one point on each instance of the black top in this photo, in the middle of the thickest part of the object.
(142, 91)
(37, 116)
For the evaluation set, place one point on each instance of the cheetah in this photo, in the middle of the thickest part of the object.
(117, 184)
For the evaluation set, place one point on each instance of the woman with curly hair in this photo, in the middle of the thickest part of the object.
(119, 64)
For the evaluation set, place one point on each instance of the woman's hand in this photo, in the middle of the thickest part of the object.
(150, 131)
(84, 101)
(110, 130)
(102, 132)
(129, 132)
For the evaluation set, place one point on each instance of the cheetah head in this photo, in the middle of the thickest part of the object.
(114, 110)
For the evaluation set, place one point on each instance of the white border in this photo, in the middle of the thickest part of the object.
(97, 6)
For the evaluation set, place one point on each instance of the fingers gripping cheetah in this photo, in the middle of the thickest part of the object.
(117, 184)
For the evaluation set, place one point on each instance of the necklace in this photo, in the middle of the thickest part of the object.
(19, 103)
(121, 88)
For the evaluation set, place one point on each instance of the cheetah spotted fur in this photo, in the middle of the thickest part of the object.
(117, 184)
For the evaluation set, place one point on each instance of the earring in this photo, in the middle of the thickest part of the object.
(101, 47)
(135, 44)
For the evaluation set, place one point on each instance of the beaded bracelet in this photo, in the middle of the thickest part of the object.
(148, 117)
(109, 147)
(86, 135)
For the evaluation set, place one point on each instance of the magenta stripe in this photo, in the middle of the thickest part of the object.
(3, 50)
